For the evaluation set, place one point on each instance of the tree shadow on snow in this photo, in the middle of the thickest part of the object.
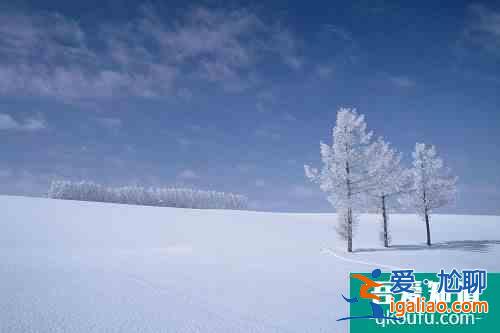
(464, 245)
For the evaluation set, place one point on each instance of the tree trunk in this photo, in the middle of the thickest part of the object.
(349, 230)
(384, 216)
(428, 229)
(349, 210)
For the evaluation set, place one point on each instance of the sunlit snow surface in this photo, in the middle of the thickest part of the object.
(68, 266)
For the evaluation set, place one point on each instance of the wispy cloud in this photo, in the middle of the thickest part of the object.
(260, 183)
(20, 181)
(339, 32)
(301, 192)
(110, 123)
(184, 142)
(266, 100)
(267, 133)
(4, 172)
(347, 46)
(52, 55)
(324, 71)
(477, 48)
(188, 174)
(289, 117)
(402, 81)
(34, 123)
(483, 29)
(245, 168)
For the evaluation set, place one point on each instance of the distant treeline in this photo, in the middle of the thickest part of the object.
(135, 195)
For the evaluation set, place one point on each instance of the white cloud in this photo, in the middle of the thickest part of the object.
(283, 42)
(245, 167)
(266, 95)
(183, 142)
(269, 133)
(195, 127)
(324, 71)
(266, 101)
(110, 122)
(301, 192)
(188, 174)
(294, 62)
(402, 81)
(33, 124)
(260, 107)
(340, 32)
(7, 122)
(20, 181)
(185, 94)
(52, 55)
(29, 124)
(260, 183)
(289, 117)
(479, 43)
(5, 172)
(484, 28)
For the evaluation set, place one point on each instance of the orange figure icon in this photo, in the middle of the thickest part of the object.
(368, 284)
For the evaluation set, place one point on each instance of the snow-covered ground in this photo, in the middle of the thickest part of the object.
(68, 266)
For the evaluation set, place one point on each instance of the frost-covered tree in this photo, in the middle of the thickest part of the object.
(136, 195)
(432, 184)
(345, 176)
(389, 180)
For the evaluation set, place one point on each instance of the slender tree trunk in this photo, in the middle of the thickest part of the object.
(384, 216)
(349, 194)
(349, 230)
(349, 210)
(426, 213)
(428, 228)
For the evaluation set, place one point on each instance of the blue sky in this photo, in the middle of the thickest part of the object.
(236, 98)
